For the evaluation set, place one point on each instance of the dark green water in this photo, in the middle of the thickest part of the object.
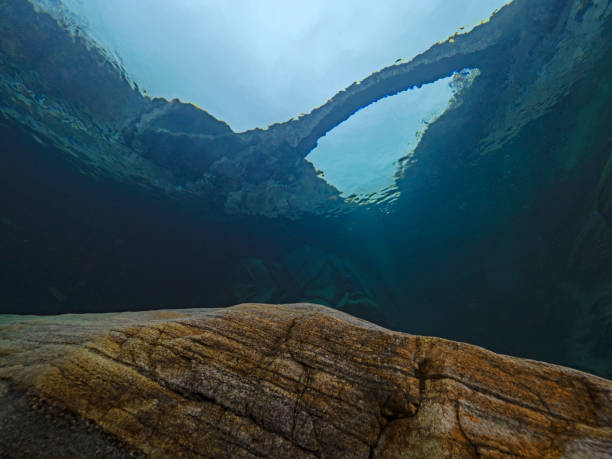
(504, 243)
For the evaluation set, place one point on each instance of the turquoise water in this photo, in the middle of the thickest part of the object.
(361, 155)
(474, 205)
(253, 64)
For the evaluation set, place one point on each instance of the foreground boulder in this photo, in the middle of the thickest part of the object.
(283, 381)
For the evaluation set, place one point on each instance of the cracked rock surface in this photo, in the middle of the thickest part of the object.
(298, 380)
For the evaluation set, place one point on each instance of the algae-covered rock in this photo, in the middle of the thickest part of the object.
(296, 380)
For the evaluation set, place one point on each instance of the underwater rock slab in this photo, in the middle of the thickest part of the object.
(296, 380)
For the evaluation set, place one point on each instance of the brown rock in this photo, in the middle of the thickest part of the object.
(282, 381)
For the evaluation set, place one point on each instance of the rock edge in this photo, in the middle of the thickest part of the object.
(297, 380)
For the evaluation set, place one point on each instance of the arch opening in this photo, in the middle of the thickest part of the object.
(361, 156)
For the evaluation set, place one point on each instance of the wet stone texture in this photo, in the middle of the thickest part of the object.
(295, 380)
